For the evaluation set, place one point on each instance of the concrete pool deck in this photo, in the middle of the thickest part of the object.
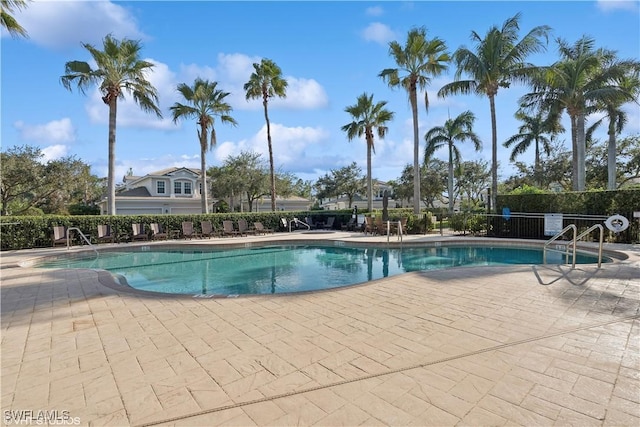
(515, 345)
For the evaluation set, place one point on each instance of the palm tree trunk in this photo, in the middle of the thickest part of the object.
(574, 153)
(271, 170)
(536, 165)
(111, 186)
(581, 152)
(416, 149)
(611, 155)
(494, 153)
(450, 179)
(369, 183)
(204, 196)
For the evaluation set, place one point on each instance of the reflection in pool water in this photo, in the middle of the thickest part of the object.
(281, 269)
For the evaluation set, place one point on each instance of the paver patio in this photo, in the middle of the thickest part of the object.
(515, 345)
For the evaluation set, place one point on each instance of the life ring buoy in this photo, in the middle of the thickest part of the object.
(617, 223)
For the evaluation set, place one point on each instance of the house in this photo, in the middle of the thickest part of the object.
(379, 187)
(168, 191)
(177, 191)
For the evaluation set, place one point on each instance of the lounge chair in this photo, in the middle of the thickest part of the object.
(139, 233)
(208, 230)
(105, 234)
(228, 229)
(350, 225)
(260, 229)
(243, 227)
(369, 226)
(329, 224)
(157, 232)
(59, 235)
(188, 232)
(394, 226)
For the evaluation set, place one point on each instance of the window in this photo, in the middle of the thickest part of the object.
(180, 187)
(187, 188)
(160, 187)
(177, 187)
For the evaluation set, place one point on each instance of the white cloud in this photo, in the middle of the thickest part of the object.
(611, 5)
(54, 152)
(378, 33)
(374, 11)
(302, 94)
(55, 131)
(62, 24)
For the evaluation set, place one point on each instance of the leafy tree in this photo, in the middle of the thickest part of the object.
(433, 182)
(266, 82)
(577, 83)
(455, 130)
(497, 60)
(118, 69)
(204, 103)
(627, 158)
(347, 181)
(418, 61)
(473, 179)
(534, 130)
(368, 116)
(8, 21)
(245, 174)
(555, 171)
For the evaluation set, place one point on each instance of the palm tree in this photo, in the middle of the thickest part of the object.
(266, 82)
(204, 103)
(454, 130)
(533, 131)
(119, 68)
(577, 83)
(418, 61)
(617, 118)
(497, 60)
(367, 116)
(8, 21)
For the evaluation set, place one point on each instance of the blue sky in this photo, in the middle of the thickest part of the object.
(330, 52)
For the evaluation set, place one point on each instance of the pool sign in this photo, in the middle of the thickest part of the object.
(553, 224)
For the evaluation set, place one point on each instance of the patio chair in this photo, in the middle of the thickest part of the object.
(208, 230)
(139, 233)
(157, 232)
(59, 235)
(105, 234)
(228, 229)
(260, 229)
(188, 232)
(350, 225)
(369, 226)
(329, 224)
(243, 227)
(403, 225)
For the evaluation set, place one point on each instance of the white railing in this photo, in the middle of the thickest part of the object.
(601, 238)
(564, 246)
(82, 235)
(297, 221)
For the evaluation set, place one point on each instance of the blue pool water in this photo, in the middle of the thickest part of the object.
(281, 269)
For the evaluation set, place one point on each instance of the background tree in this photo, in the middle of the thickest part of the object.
(368, 116)
(533, 131)
(433, 182)
(454, 130)
(577, 83)
(473, 179)
(627, 158)
(418, 61)
(346, 181)
(118, 68)
(8, 21)
(205, 102)
(265, 82)
(496, 61)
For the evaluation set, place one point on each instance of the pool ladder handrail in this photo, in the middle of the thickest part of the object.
(83, 236)
(573, 243)
(399, 230)
(297, 221)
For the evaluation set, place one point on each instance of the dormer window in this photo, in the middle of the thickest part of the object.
(160, 187)
(182, 187)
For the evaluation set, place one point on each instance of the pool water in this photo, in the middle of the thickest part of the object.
(281, 269)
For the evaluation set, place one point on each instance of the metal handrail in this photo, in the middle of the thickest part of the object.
(399, 230)
(601, 238)
(558, 235)
(83, 236)
(297, 221)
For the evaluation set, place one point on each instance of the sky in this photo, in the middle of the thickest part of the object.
(329, 52)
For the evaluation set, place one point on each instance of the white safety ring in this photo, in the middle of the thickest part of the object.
(617, 223)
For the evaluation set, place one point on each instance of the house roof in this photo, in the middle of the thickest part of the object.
(135, 192)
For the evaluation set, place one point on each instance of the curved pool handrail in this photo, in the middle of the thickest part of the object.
(557, 236)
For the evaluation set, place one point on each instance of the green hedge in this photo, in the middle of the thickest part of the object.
(584, 202)
(23, 232)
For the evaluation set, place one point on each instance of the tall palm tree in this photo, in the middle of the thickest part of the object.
(418, 61)
(497, 60)
(617, 118)
(8, 21)
(534, 130)
(204, 102)
(265, 82)
(368, 116)
(118, 69)
(455, 130)
(577, 83)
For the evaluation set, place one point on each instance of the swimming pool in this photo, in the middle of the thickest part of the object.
(277, 269)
